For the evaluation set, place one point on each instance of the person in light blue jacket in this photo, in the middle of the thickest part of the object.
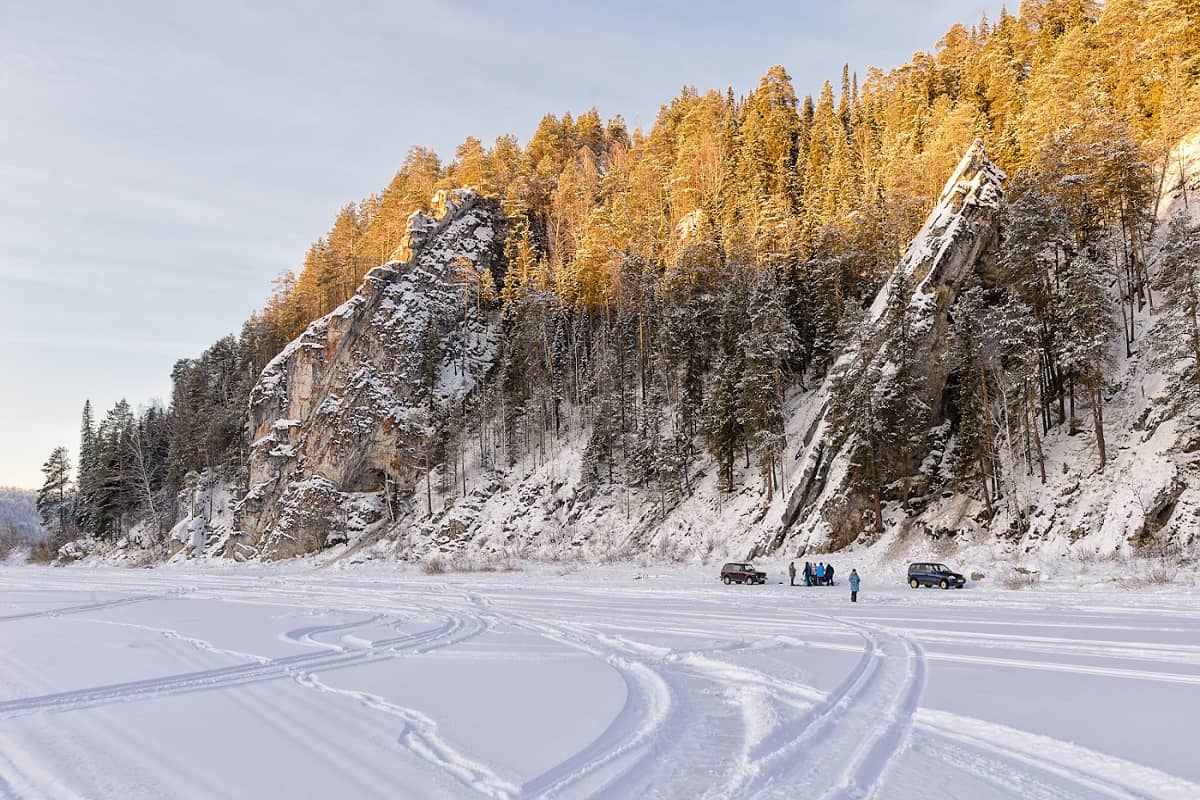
(853, 586)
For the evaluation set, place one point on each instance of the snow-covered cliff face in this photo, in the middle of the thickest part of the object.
(1149, 492)
(344, 415)
(342, 418)
(960, 234)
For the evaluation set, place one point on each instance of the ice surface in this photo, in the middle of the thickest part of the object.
(287, 681)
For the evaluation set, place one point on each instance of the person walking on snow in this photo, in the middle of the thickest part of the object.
(853, 586)
(792, 573)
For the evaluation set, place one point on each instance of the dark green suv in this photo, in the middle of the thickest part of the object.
(928, 573)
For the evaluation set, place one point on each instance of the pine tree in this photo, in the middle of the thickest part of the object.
(974, 457)
(901, 414)
(765, 344)
(1087, 329)
(53, 501)
(718, 422)
(857, 428)
(86, 476)
(1178, 280)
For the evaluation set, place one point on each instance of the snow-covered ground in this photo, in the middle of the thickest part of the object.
(206, 681)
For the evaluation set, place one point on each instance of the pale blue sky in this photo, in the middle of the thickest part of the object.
(161, 163)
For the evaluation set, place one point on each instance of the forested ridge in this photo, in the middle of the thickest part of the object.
(667, 291)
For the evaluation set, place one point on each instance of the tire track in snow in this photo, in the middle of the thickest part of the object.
(420, 737)
(83, 608)
(845, 744)
(1047, 771)
(1102, 774)
(1153, 652)
(199, 644)
(1001, 773)
(226, 677)
(307, 636)
(1040, 769)
(648, 705)
(691, 750)
(22, 778)
(873, 759)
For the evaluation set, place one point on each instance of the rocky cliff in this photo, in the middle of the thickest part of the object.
(957, 239)
(342, 420)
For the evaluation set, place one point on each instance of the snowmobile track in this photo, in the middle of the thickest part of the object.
(450, 632)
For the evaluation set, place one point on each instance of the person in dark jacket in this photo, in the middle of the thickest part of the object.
(808, 573)
(792, 573)
(853, 581)
(829, 574)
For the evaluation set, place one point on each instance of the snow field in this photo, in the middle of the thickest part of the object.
(293, 681)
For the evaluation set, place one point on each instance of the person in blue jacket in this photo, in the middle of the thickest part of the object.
(820, 573)
(853, 586)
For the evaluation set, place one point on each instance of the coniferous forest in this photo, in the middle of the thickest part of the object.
(666, 292)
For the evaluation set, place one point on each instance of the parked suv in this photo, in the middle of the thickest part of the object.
(741, 572)
(933, 574)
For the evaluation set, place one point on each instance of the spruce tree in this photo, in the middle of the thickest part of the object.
(87, 476)
(766, 343)
(53, 501)
(1178, 281)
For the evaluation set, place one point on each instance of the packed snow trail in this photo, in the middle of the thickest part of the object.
(291, 681)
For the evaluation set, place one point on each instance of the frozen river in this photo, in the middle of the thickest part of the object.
(291, 682)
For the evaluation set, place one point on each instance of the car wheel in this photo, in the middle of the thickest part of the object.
(728, 580)
(944, 584)
(913, 583)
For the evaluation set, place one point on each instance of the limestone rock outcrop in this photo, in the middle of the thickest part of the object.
(348, 408)
(959, 236)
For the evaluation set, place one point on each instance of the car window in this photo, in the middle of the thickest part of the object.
(942, 568)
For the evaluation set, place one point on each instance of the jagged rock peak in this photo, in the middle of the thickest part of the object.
(445, 203)
(973, 193)
(346, 409)
(959, 235)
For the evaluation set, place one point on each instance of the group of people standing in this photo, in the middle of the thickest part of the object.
(821, 574)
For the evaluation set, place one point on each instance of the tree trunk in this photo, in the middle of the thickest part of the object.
(987, 495)
(1194, 307)
(1096, 390)
(1037, 441)
(988, 439)
(428, 484)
